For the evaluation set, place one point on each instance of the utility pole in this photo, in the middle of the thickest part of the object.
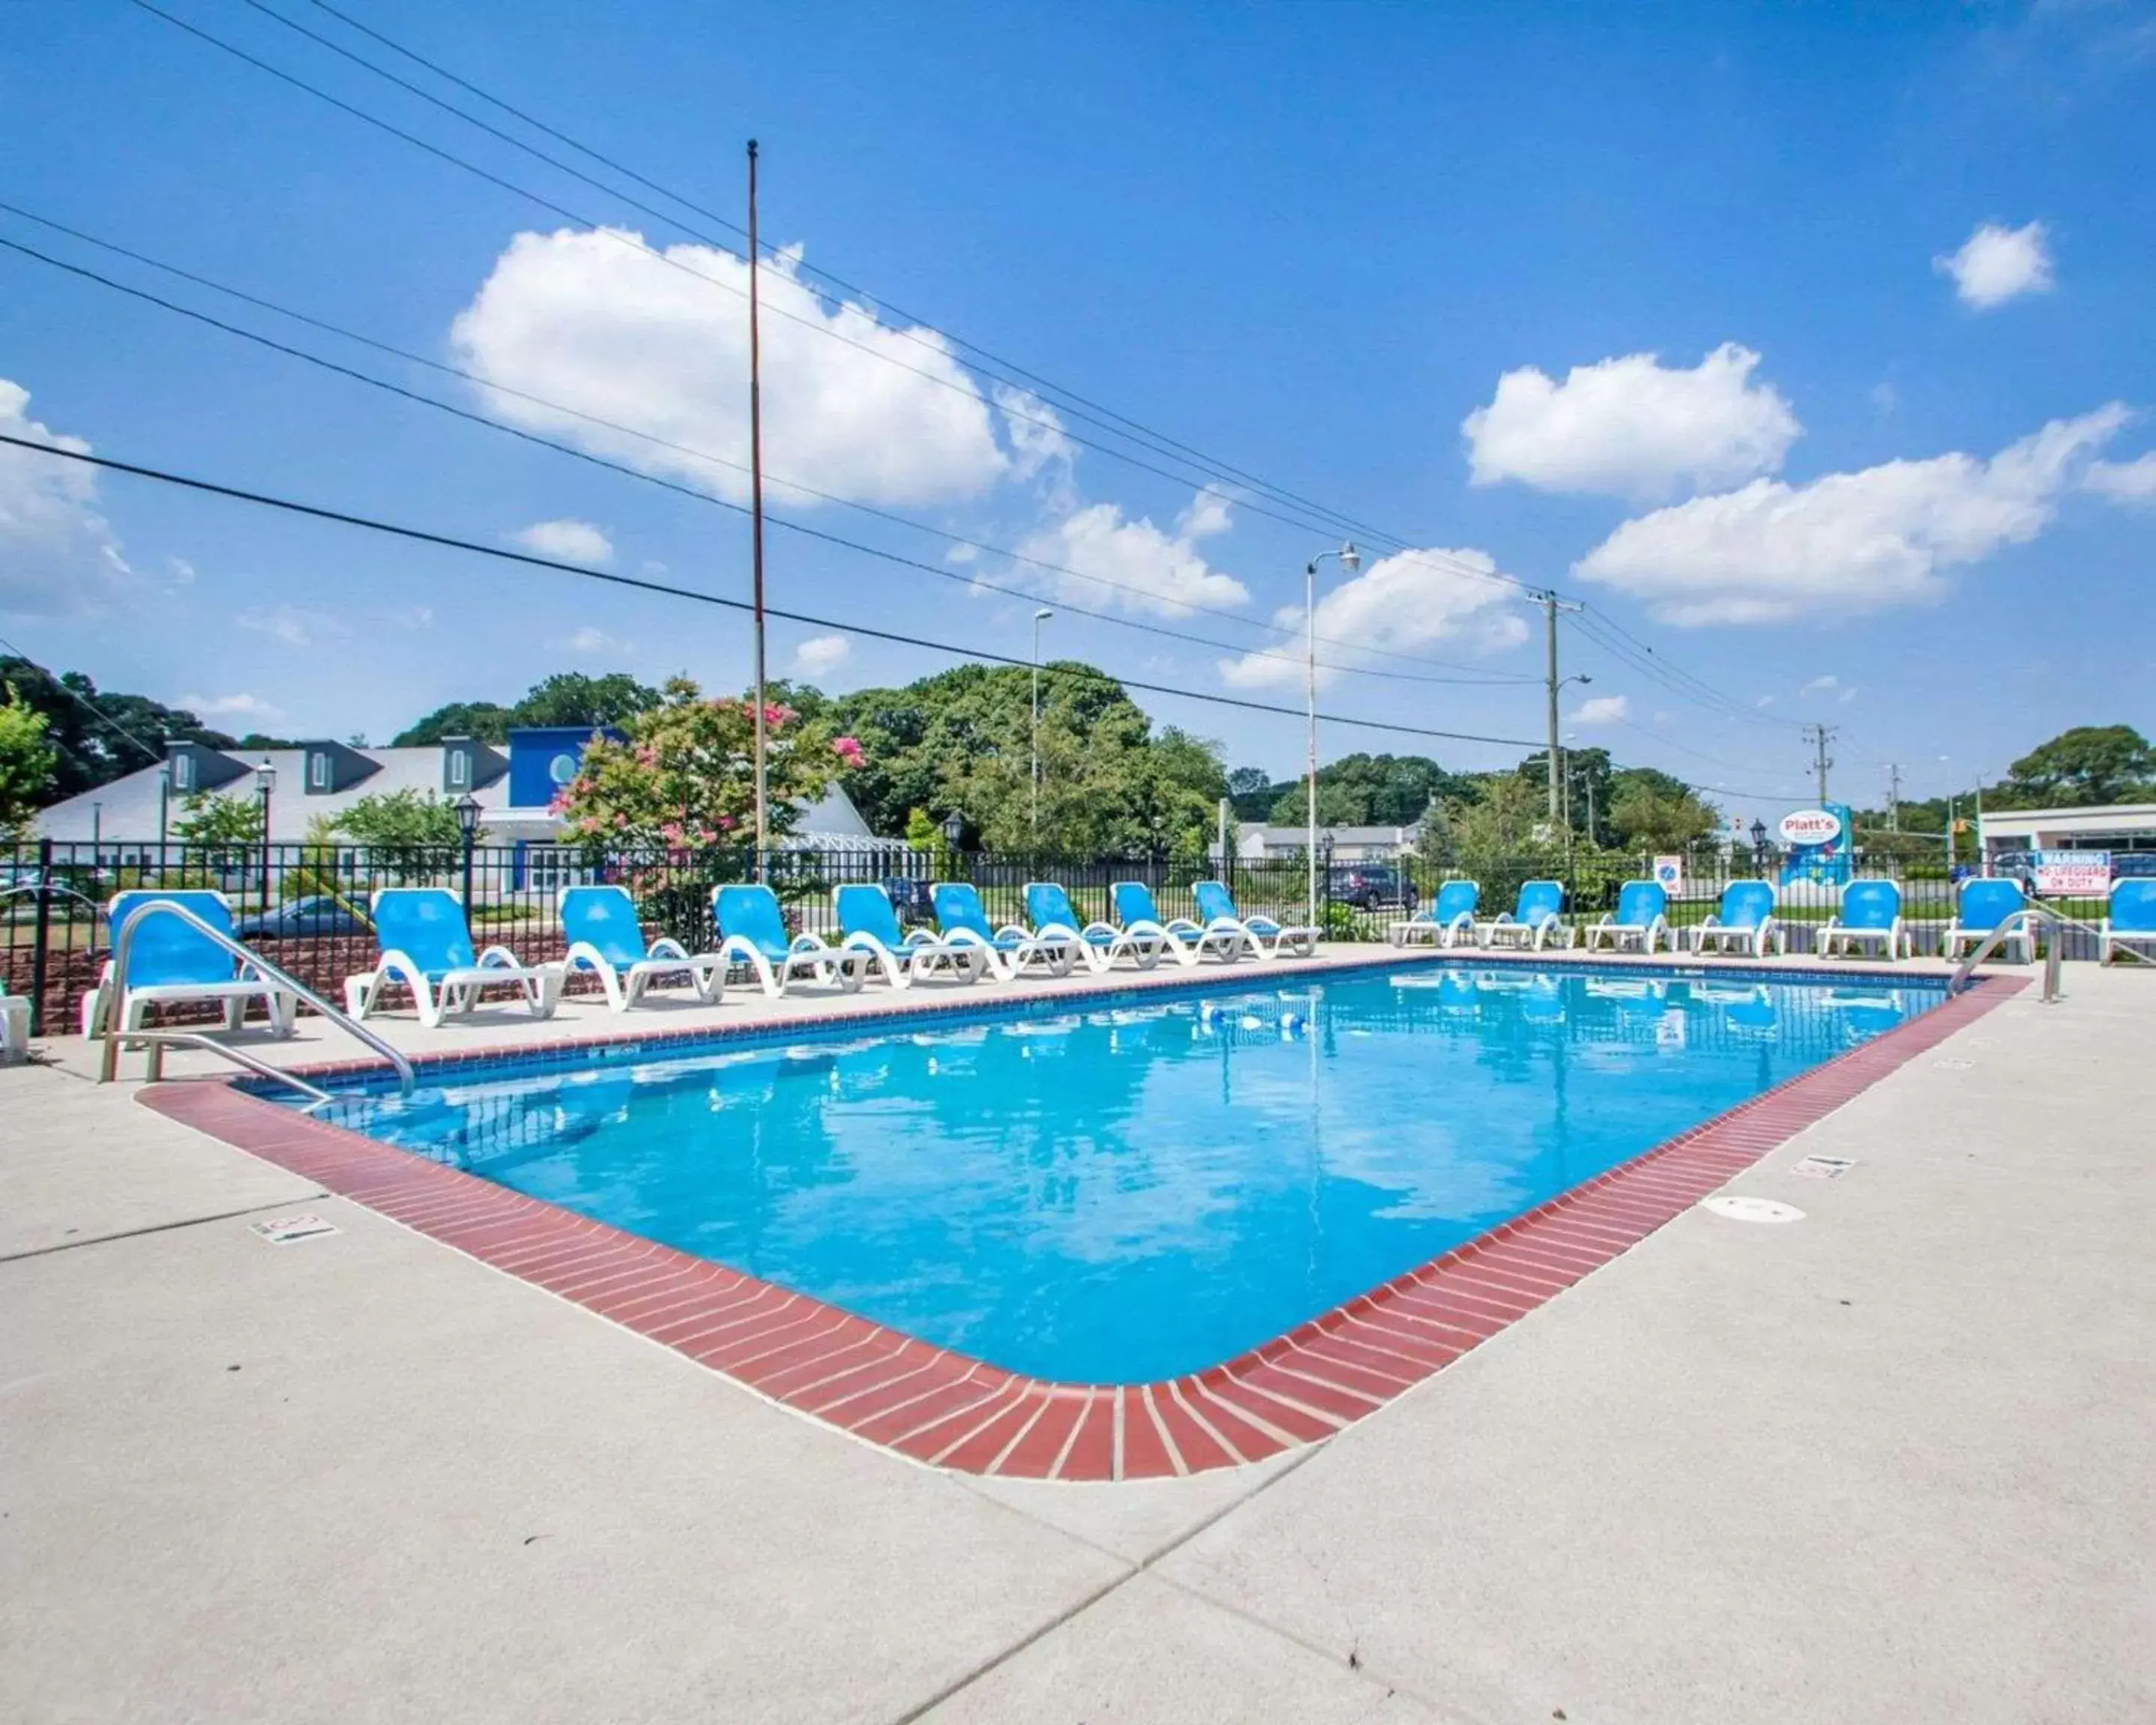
(755, 505)
(1820, 759)
(1552, 604)
(1893, 796)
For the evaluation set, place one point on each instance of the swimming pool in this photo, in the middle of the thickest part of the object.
(1117, 1190)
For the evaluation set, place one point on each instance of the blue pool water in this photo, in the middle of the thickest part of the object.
(1135, 1189)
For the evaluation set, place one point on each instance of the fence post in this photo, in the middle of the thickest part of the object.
(44, 936)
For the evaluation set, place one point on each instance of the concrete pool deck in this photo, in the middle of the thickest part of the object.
(1891, 1462)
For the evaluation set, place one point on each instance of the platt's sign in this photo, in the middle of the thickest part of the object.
(1811, 826)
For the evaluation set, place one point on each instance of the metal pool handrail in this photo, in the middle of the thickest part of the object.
(2017, 923)
(109, 1067)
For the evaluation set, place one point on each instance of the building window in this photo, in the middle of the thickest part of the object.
(183, 772)
(459, 769)
(318, 772)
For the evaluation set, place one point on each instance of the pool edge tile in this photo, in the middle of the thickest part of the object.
(943, 1410)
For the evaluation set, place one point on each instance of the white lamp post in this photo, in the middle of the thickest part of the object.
(1039, 617)
(1350, 560)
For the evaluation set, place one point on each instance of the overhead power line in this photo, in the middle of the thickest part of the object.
(1476, 679)
(501, 553)
(924, 334)
(1423, 557)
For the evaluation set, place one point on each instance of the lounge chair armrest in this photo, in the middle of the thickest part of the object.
(808, 943)
(666, 947)
(499, 957)
(921, 937)
(1011, 931)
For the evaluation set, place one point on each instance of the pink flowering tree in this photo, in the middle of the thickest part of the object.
(684, 778)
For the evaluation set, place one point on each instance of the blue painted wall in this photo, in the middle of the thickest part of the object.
(544, 758)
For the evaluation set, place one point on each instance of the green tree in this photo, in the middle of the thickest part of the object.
(393, 820)
(1373, 790)
(685, 777)
(99, 736)
(217, 822)
(26, 763)
(487, 720)
(1651, 811)
(962, 741)
(2088, 764)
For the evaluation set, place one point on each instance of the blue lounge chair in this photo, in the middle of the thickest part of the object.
(1011, 950)
(1217, 911)
(2129, 921)
(868, 922)
(1099, 945)
(169, 963)
(752, 933)
(1980, 905)
(1447, 920)
(1869, 914)
(1183, 940)
(1641, 918)
(425, 946)
(1535, 921)
(600, 925)
(1744, 922)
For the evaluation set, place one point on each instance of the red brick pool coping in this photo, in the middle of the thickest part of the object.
(945, 1410)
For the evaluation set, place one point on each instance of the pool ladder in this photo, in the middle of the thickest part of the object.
(2020, 924)
(156, 1040)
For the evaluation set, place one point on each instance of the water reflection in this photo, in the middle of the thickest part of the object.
(1138, 1189)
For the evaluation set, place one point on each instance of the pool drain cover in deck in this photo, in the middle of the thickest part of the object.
(1739, 1208)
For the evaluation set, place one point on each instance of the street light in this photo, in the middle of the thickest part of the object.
(1759, 845)
(1039, 617)
(265, 781)
(1560, 776)
(954, 830)
(467, 809)
(1350, 561)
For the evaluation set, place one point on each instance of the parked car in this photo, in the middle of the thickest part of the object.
(911, 899)
(1371, 886)
(303, 919)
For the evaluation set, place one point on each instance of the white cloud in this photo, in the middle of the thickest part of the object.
(571, 542)
(230, 707)
(597, 642)
(1848, 543)
(1995, 264)
(606, 327)
(1397, 605)
(2123, 481)
(294, 625)
(1604, 710)
(58, 556)
(1155, 571)
(1632, 427)
(821, 655)
(1825, 680)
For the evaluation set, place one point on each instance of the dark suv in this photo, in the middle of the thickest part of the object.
(1371, 886)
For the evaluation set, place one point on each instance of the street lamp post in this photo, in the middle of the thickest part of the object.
(1759, 847)
(1350, 561)
(265, 781)
(1039, 617)
(467, 809)
(164, 808)
(1560, 772)
(954, 830)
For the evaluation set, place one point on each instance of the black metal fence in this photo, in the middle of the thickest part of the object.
(307, 905)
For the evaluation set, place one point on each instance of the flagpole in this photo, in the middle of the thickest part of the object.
(756, 503)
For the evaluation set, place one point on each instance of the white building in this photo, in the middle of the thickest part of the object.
(1257, 842)
(512, 785)
(2110, 826)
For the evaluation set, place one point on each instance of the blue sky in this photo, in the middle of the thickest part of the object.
(1686, 309)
